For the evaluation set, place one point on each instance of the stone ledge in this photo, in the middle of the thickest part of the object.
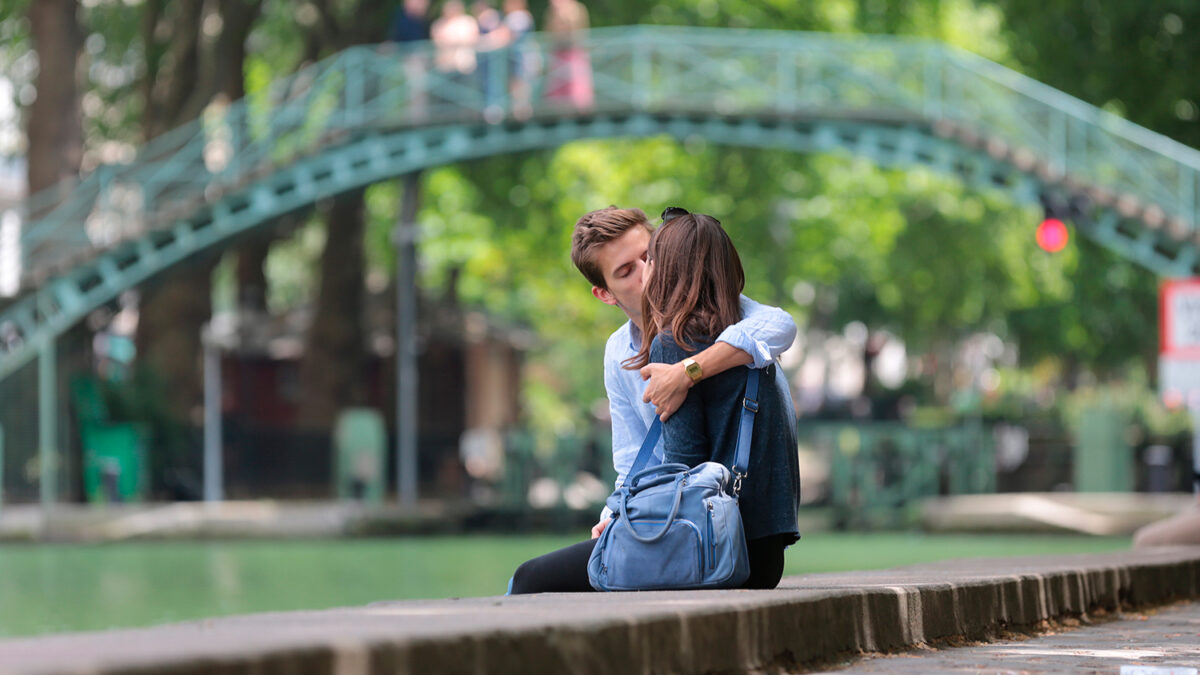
(807, 619)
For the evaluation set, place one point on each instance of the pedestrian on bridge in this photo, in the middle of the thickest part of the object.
(570, 77)
(522, 60)
(410, 26)
(492, 37)
(455, 35)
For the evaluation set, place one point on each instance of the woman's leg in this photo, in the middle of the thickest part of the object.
(766, 560)
(561, 571)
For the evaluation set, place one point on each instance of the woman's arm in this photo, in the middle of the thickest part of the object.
(762, 335)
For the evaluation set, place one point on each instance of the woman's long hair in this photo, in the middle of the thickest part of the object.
(693, 291)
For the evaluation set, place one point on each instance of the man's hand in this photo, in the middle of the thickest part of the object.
(666, 387)
(598, 528)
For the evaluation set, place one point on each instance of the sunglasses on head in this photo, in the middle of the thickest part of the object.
(672, 212)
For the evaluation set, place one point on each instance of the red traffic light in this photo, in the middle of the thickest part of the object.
(1052, 235)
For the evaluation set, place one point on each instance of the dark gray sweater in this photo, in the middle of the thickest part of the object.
(705, 428)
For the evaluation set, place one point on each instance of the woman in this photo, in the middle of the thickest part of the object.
(691, 294)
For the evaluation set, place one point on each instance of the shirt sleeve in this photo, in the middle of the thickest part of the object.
(764, 332)
(628, 428)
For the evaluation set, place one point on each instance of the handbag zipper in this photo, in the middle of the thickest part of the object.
(711, 541)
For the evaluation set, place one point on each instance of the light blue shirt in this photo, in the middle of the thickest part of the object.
(764, 333)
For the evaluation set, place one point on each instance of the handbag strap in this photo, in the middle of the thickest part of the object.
(646, 451)
(741, 457)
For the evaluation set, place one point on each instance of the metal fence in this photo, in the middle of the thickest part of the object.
(879, 469)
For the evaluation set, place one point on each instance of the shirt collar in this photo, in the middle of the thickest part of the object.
(635, 336)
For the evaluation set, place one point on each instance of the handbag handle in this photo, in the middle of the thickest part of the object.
(679, 482)
(674, 467)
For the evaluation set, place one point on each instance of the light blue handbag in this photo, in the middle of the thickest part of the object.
(673, 527)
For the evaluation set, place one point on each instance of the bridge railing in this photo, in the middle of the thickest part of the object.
(1074, 139)
(878, 471)
(706, 72)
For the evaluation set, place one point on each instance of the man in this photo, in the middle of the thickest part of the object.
(609, 249)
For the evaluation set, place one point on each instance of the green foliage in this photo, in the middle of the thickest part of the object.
(14, 27)
(1134, 58)
(1032, 396)
(1129, 399)
(915, 253)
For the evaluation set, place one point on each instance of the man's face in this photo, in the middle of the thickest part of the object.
(623, 262)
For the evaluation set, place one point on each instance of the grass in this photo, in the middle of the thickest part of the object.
(53, 588)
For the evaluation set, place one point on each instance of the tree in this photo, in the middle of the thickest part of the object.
(55, 136)
(1133, 59)
(185, 68)
(331, 368)
(334, 354)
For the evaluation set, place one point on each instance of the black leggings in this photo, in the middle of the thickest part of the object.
(565, 570)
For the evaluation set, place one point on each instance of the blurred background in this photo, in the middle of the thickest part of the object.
(941, 351)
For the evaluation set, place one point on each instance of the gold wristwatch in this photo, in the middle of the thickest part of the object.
(693, 369)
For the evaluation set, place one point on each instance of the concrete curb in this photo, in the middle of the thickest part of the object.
(808, 619)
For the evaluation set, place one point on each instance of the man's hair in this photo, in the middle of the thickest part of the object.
(595, 229)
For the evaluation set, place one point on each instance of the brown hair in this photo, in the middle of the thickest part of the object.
(595, 229)
(693, 291)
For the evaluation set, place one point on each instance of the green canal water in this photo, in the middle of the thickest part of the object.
(47, 588)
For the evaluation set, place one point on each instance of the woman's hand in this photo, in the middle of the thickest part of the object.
(666, 387)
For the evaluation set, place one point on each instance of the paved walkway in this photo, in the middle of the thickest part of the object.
(1165, 638)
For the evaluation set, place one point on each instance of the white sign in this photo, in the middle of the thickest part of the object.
(1179, 343)
(1182, 317)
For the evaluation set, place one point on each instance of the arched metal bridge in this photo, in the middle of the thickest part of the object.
(372, 113)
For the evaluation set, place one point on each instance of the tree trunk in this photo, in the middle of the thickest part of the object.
(252, 276)
(330, 374)
(238, 17)
(171, 33)
(55, 136)
(185, 70)
(170, 319)
(55, 132)
(173, 312)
